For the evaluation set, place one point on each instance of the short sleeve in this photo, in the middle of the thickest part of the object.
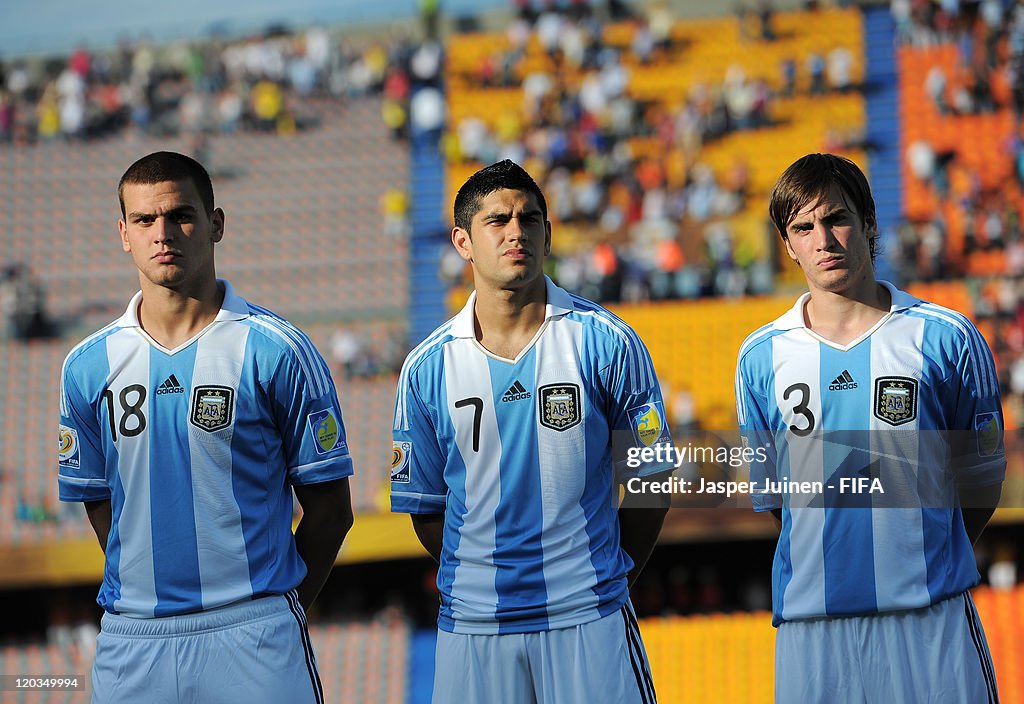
(81, 466)
(637, 415)
(417, 462)
(755, 435)
(308, 415)
(978, 454)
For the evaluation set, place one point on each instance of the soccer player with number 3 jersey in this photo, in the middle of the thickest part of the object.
(186, 424)
(512, 423)
(890, 405)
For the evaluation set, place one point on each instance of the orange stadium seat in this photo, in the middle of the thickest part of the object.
(729, 658)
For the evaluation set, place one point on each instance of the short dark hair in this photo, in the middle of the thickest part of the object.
(504, 174)
(809, 179)
(168, 166)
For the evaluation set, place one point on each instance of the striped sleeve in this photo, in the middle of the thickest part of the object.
(306, 404)
(752, 412)
(417, 461)
(979, 456)
(81, 474)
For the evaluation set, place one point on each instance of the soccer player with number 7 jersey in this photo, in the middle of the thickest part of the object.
(889, 405)
(512, 424)
(186, 424)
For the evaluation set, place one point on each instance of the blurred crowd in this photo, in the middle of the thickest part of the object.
(265, 82)
(654, 220)
(988, 78)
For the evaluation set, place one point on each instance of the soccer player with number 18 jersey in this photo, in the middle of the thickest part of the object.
(881, 418)
(186, 425)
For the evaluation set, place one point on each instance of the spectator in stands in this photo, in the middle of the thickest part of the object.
(898, 584)
(765, 18)
(186, 425)
(816, 70)
(23, 301)
(258, 83)
(8, 283)
(839, 69)
(520, 599)
(788, 70)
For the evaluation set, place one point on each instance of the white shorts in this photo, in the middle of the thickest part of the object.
(245, 653)
(935, 654)
(600, 661)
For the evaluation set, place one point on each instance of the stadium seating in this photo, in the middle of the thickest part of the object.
(363, 662)
(359, 661)
(694, 348)
(304, 225)
(988, 134)
(729, 658)
(706, 49)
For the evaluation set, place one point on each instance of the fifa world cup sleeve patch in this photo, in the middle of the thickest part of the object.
(648, 424)
(67, 452)
(989, 432)
(326, 431)
(401, 458)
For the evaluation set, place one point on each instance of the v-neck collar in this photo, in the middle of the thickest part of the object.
(559, 302)
(794, 318)
(234, 307)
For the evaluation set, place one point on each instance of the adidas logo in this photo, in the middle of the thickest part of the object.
(843, 382)
(170, 386)
(516, 392)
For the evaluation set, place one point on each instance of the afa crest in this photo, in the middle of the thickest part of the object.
(560, 406)
(895, 399)
(325, 429)
(213, 407)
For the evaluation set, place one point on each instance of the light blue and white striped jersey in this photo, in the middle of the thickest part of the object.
(197, 449)
(913, 403)
(523, 456)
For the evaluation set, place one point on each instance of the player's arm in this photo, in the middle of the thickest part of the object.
(81, 463)
(308, 413)
(640, 522)
(429, 529)
(752, 412)
(326, 520)
(417, 463)
(977, 506)
(979, 456)
(638, 422)
(101, 518)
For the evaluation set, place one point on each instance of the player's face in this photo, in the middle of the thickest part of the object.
(169, 234)
(827, 239)
(509, 240)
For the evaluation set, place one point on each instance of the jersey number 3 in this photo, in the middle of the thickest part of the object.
(801, 408)
(133, 420)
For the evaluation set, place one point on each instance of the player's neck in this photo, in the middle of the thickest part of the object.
(172, 318)
(508, 320)
(843, 317)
